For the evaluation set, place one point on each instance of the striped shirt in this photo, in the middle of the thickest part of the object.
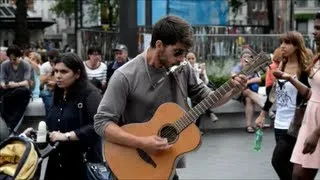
(100, 73)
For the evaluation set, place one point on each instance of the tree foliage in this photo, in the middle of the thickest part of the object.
(63, 7)
(235, 6)
(108, 10)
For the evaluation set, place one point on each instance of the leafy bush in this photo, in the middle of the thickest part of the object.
(218, 80)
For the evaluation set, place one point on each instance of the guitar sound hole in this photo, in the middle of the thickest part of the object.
(169, 132)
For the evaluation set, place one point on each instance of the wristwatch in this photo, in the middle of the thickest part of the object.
(68, 135)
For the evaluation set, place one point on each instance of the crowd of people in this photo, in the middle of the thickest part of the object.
(87, 100)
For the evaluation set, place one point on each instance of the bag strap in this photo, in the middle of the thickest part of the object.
(80, 105)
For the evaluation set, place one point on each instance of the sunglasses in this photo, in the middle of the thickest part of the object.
(179, 52)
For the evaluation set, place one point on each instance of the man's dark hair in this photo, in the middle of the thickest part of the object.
(91, 50)
(15, 50)
(171, 30)
(53, 55)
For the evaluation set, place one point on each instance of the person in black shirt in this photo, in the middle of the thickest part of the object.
(70, 120)
(121, 57)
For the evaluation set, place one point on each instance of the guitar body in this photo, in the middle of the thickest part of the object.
(127, 163)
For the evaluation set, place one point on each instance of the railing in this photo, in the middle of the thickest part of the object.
(104, 40)
(220, 46)
(207, 47)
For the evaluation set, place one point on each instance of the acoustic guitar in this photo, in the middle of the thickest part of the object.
(172, 122)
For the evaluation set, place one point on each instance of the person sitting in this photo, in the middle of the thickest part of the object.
(96, 70)
(200, 72)
(15, 83)
(47, 81)
(249, 96)
(35, 61)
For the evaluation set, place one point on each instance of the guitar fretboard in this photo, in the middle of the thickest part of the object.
(193, 114)
(258, 63)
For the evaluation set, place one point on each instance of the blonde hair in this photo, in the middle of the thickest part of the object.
(38, 57)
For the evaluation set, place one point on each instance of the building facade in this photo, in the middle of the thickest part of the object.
(304, 12)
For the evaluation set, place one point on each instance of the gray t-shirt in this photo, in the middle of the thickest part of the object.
(23, 72)
(132, 97)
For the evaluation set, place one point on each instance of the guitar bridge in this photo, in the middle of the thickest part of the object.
(144, 156)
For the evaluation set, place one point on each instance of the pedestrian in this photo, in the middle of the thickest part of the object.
(295, 64)
(306, 153)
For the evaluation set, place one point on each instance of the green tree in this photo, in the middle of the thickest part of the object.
(107, 9)
(22, 35)
(63, 8)
(235, 6)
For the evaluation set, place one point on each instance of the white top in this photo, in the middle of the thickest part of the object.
(286, 104)
(46, 69)
(100, 73)
(197, 70)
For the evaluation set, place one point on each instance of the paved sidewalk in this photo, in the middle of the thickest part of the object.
(228, 154)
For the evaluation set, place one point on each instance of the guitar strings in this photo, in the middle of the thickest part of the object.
(169, 133)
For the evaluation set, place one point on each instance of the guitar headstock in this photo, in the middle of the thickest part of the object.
(258, 63)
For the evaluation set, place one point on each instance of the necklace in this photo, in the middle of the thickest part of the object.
(153, 85)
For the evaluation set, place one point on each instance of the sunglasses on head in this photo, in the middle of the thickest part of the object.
(179, 52)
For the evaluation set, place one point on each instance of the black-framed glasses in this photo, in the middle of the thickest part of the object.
(179, 52)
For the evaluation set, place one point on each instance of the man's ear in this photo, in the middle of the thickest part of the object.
(159, 45)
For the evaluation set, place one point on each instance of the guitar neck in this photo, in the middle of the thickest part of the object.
(258, 63)
(193, 114)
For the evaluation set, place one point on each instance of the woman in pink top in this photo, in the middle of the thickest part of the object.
(306, 152)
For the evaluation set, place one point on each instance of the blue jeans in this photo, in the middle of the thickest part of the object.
(46, 96)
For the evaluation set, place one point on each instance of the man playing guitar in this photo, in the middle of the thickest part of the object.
(139, 87)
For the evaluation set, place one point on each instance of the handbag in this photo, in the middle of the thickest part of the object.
(94, 171)
(97, 171)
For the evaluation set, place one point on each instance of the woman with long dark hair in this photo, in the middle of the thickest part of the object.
(294, 63)
(70, 120)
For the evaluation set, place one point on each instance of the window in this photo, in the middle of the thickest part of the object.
(240, 10)
(255, 6)
(302, 27)
(69, 22)
(301, 3)
(263, 6)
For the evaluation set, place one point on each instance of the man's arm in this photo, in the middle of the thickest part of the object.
(109, 111)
